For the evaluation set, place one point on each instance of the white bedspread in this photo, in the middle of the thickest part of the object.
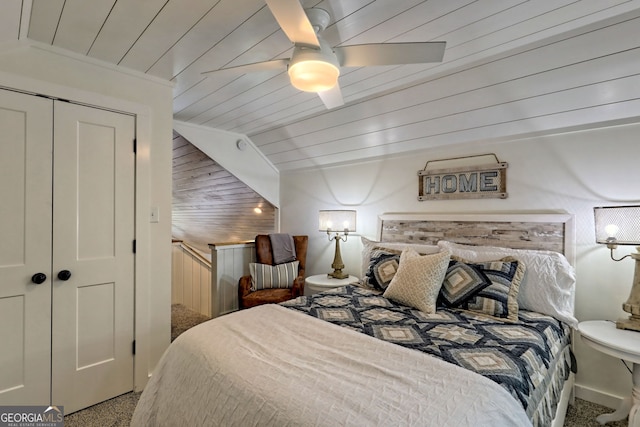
(271, 366)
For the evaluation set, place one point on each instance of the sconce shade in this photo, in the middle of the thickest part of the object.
(617, 224)
(337, 221)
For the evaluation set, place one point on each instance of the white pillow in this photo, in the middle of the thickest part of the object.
(418, 280)
(549, 281)
(368, 246)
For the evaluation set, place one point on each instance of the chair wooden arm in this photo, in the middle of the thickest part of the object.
(244, 287)
(298, 287)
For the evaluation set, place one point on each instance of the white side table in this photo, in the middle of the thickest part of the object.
(322, 282)
(623, 344)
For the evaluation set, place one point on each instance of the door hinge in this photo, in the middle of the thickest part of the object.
(134, 246)
(133, 347)
(135, 146)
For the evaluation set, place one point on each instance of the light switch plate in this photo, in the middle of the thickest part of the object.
(154, 215)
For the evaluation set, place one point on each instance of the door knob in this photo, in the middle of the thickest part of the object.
(39, 278)
(64, 275)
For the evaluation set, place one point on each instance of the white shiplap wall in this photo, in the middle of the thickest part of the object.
(582, 79)
(495, 49)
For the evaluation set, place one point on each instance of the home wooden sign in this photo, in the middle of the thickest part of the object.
(469, 182)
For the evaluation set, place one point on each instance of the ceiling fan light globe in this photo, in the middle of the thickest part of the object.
(313, 75)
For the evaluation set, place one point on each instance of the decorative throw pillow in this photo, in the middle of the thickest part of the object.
(549, 283)
(461, 283)
(382, 268)
(489, 287)
(265, 276)
(368, 246)
(418, 280)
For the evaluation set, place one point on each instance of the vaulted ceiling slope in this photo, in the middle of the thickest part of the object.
(511, 68)
(210, 205)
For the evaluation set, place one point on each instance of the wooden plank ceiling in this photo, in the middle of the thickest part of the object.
(389, 110)
(210, 205)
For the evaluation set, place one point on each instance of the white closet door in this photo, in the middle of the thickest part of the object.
(93, 232)
(25, 248)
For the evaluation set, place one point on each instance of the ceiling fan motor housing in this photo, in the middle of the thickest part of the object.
(319, 18)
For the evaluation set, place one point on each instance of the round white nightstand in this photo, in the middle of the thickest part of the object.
(623, 344)
(322, 282)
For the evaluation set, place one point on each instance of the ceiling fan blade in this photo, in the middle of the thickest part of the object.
(332, 98)
(294, 22)
(276, 64)
(389, 53)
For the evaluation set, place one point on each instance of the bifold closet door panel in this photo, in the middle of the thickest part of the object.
(25, 248)
(93, 259)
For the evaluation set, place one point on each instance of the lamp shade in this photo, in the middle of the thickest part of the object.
(617, 224)
(337, 220)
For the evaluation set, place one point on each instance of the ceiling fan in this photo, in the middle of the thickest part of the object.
(315, 66)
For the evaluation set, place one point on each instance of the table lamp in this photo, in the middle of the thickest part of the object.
(620, 225)
(337, 224)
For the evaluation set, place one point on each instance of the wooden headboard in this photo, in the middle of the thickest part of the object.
(553, 232)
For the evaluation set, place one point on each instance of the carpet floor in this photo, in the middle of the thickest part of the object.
(117, 412)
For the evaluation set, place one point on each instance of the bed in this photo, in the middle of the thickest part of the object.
(362, 355)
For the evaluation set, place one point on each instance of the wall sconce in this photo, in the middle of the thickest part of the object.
(340, 223)
(620, 225)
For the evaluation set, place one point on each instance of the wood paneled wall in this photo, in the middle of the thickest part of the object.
(210, 205)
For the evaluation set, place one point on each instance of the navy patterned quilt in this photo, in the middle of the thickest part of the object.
(522, 357)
